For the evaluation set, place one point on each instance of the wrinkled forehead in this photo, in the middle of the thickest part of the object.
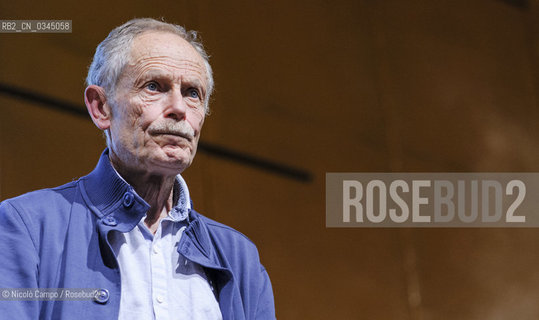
(161, 47)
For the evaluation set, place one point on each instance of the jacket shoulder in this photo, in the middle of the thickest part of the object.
(236, 246)
(43, 198)
(222, 230)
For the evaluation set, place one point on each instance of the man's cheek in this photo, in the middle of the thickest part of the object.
(200, 123)
(196, 125)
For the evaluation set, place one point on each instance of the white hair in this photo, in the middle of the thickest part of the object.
(113, 53)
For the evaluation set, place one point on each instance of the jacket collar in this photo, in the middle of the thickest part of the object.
(116, 203)
(119, 207)
(112, 199)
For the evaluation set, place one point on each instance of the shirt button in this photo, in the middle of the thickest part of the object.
(128, 199)
(102, 296)
(110, 221)
(155, 250)
(160, 299)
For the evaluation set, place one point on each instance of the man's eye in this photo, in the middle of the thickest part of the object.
(152, 86)
(193, 93)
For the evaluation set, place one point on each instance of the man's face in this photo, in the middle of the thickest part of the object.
(158, 108)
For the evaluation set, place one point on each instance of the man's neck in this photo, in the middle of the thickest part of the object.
(156, 190)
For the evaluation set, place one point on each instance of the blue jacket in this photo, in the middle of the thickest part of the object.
(57, 238)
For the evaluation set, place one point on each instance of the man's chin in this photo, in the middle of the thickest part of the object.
(173, 161)
(177, 153)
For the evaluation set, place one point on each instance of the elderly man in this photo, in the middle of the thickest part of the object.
(128, 229)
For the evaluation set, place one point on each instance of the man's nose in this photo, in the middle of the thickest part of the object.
(176, 105)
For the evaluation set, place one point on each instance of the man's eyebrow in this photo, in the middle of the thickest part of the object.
(159, 74)
(193, 82)
(150, 74)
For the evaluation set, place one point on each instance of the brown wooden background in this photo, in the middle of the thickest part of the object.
(327, 86)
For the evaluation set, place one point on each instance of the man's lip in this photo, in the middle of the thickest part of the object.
(177, 134)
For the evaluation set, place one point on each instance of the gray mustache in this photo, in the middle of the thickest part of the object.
(181, 128)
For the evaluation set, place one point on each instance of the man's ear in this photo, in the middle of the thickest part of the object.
(98, 108)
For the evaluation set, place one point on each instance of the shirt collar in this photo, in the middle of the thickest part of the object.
(182, 206)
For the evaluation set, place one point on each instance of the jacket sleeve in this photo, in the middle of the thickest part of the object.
(265, 309)
(18, 264)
